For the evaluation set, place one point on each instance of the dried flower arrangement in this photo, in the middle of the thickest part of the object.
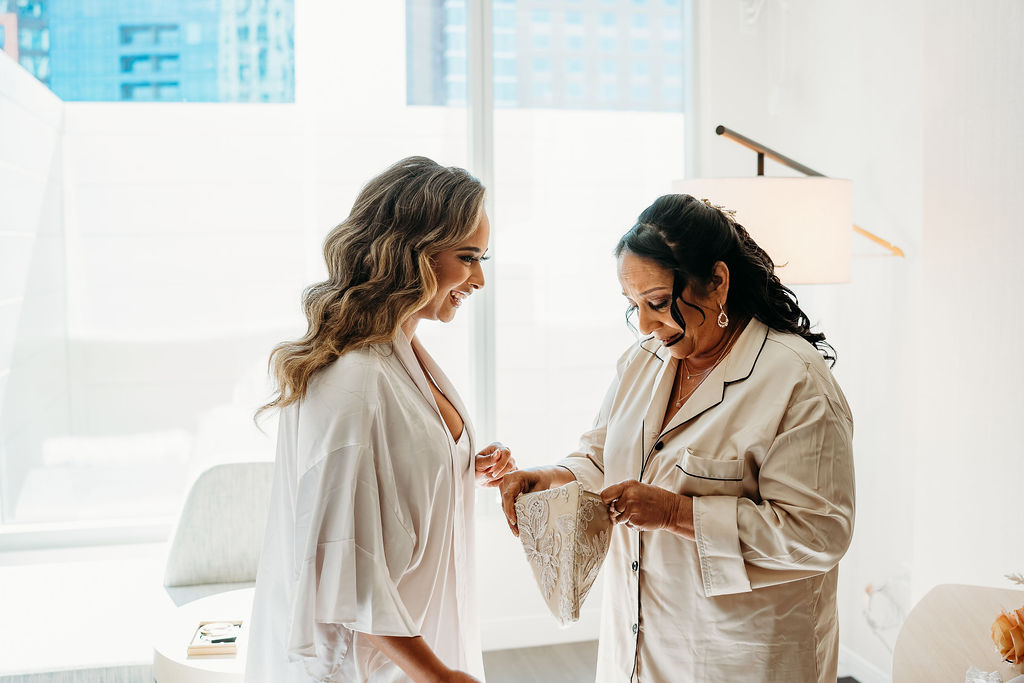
(1008, 635)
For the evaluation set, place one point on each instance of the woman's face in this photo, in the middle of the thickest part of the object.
(647, 285)
(458, 273)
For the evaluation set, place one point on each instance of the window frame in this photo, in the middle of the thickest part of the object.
(480, 112)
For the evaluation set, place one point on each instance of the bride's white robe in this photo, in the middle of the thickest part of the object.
(370, 527)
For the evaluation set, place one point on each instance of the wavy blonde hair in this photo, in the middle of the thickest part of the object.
(380, 266)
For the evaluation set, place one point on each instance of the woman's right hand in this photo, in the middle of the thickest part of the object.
(527, 481)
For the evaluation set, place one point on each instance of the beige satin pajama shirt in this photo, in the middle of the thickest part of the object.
(764, 447)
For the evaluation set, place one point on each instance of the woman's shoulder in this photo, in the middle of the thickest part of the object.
(792, 349)
(353, 376)
(341, 406)
(793, 357)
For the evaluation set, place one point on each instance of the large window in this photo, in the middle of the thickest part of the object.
(182, 236)
(588, 146)
(152, 256)
(586, 134)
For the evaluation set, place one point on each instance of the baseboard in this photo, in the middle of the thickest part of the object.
(503, 634)
(852, 664)
(140, 673)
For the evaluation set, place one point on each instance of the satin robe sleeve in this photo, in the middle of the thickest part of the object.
(358, 544)
(803, 523)
(587, 462)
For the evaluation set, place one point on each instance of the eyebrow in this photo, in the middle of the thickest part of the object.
(645, 293)
(475, 250)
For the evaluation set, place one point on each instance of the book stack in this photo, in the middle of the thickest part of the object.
(215, 638)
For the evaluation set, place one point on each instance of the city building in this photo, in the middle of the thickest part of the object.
(563, 54)
(160, 50)
(256, 51)
(25, 35)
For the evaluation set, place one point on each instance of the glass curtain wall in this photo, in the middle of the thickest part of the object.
(191, 230)
(588, 130)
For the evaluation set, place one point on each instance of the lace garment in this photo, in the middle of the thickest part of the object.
(565, 532)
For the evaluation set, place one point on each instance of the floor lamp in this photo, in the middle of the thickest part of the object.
(803, 223)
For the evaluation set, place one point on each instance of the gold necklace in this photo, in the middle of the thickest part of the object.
(702, 374)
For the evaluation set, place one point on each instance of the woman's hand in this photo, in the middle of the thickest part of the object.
(493, 463)
(641, 506)
(525, 481)
(417, 660)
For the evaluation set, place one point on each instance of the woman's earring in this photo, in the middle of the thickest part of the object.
(723, 319)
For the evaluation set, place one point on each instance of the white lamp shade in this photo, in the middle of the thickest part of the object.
(805, 224)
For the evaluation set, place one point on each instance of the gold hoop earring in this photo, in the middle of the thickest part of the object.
(723, 319)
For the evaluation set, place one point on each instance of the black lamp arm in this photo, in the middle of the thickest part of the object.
(763, 152)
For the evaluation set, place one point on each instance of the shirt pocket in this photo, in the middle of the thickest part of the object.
(706, 476)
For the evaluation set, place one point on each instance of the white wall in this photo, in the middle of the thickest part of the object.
(920, 106)
(33, 328)
(970, 467)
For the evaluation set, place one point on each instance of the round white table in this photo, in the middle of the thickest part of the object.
(171, 663)
(950, 630)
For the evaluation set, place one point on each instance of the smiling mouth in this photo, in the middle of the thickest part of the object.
(456, 297)
(671, 340)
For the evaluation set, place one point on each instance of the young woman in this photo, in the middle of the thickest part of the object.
(366, 572)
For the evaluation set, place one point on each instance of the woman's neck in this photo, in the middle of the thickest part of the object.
(698, 360)
(409, 328)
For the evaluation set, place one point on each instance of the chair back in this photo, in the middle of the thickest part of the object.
(220, 531)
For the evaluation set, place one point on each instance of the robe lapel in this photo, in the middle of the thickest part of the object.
(660, 396)
(403, 351)
(708, 395)
(446, 387)
(736, 367)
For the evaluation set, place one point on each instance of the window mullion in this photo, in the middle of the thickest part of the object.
(480, 110)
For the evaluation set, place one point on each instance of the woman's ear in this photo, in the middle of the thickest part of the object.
(718, 290)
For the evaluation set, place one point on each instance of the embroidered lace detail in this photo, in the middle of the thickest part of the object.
(565, 533)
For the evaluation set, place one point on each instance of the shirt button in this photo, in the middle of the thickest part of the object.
(634, 628)
(636, 565)
(658, 446)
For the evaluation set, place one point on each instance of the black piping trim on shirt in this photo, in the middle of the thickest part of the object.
(661, 437)
(643, 466)
(643, 459)
(709, 478)
(653, 353)
(633, 676)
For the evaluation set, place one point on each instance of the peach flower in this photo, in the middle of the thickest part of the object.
(1008, 635)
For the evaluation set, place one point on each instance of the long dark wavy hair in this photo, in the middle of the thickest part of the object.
(688, 236)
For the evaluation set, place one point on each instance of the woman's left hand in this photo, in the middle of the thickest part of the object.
(493, 463)
(641, 506)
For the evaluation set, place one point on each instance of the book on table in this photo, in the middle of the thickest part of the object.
(215, 638)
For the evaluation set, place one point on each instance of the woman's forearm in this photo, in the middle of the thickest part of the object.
(556, 475)
(413, 656)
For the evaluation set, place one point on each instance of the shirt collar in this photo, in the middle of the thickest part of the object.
(739, 362)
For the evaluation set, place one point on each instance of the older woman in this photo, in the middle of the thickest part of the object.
(366, 572)
(723, 450)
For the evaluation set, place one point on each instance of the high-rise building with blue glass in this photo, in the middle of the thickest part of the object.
(108, 50)
(159, 50)
(25, 32)
(563, 54)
